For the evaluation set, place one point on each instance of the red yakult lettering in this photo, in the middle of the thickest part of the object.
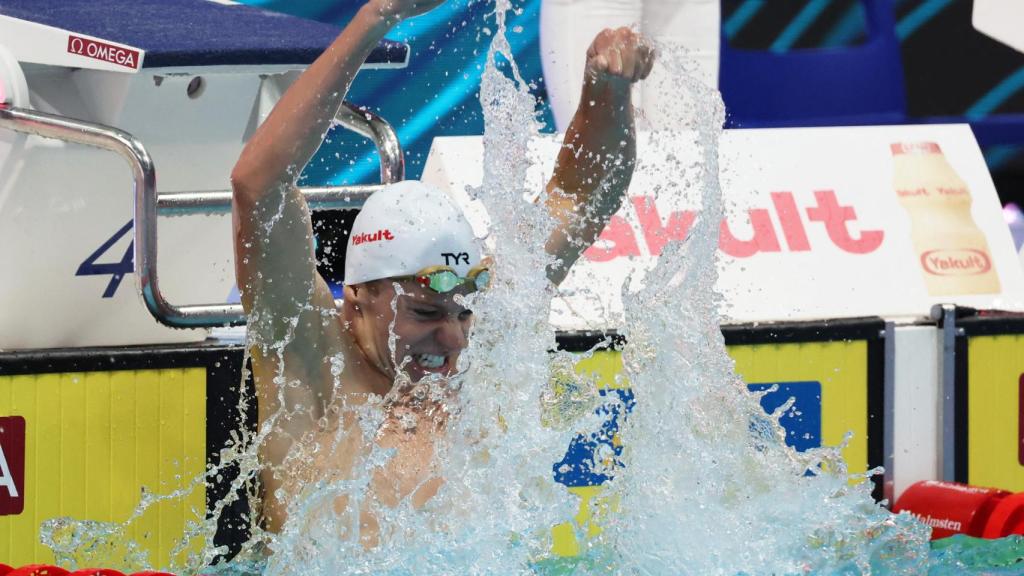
(963, 262)
(915, 148)
(764, 239)
(911, 192)
(829, 212)
(619, 239)
(789, 218)
(378, 236)
(655, 234)
(620, 235)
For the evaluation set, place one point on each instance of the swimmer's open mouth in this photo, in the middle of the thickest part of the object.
(430, 362)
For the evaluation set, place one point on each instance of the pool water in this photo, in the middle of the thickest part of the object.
(958, 555)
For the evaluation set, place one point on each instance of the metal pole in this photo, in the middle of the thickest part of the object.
(377, 129)
(945, 315)
(219, 201)
(889, 414)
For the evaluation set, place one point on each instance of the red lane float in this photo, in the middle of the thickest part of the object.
(38, 570)
(952, 508)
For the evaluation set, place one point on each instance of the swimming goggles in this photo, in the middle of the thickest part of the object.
(444, 279)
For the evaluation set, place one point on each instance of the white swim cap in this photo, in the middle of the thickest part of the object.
(406, 227)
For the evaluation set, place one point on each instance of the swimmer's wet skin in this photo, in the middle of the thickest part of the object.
(313, 361)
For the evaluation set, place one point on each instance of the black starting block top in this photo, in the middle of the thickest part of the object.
(196, 32)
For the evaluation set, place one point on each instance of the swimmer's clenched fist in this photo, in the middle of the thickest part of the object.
(619, 55)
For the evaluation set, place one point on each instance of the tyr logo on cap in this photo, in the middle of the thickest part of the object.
(453, 259)
(12, 465)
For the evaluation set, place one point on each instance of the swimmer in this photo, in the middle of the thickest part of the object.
(407, 234)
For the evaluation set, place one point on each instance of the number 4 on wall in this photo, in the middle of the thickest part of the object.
(117, 270)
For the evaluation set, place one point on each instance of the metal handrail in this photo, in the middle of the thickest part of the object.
(378, 130)
(148, 204)
(219, 201)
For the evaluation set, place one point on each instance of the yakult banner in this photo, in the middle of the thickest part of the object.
(820, 222)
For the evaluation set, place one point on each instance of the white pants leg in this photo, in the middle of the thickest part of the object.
(693, 25)
(569, 26)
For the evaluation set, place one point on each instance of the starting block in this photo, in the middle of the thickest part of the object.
(82, 92)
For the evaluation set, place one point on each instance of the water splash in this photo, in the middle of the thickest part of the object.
(492, 513)
(709, 486)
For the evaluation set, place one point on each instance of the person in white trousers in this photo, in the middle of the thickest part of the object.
(568, 26)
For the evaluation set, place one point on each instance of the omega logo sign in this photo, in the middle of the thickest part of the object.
(102, 51)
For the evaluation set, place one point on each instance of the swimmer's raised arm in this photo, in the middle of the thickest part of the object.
(595, 164)
(275, 265)
(291, 309)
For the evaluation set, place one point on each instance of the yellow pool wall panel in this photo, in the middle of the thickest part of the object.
(841, 367)
(93, 441)
(995, 366)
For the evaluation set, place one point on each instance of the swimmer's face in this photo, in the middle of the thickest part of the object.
(431, 329)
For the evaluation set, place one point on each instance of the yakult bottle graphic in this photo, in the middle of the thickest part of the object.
(951, 250)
